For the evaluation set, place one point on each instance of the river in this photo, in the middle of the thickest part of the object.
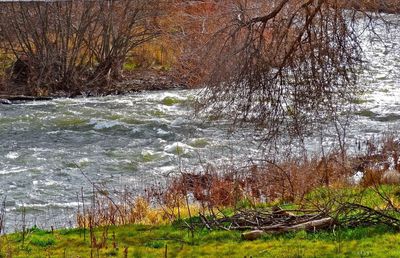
(139, 139)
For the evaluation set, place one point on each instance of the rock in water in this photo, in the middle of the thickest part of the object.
(5, 102)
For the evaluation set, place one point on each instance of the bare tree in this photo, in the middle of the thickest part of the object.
(70, 45)
(287, 66)
(123, 27)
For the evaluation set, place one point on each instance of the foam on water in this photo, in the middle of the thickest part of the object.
(102, 124)
(13, 170)
(178, 148)
(162, 132)
(47, 205)
(12, 155)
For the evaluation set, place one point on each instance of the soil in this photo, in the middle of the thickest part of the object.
(135, 81)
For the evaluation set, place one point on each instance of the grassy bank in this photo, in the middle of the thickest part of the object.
(170, 241)
(176, 240)
(364, 217)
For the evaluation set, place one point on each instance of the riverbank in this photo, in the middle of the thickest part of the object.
(210, 215)
(134, 81)
(185, 238)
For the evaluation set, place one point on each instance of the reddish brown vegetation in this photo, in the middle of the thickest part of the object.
(214, 189)
(380, 163)
(288, 180)
(191, 25)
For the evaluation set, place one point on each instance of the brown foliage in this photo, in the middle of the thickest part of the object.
(191, 25)
(380, 163)
(289, 180)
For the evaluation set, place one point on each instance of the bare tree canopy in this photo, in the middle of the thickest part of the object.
(285, 65)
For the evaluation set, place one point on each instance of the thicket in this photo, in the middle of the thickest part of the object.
(75, 46)
(71, 46)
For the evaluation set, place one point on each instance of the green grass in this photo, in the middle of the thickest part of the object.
(154, 241)
(130, 66)
(367, 196)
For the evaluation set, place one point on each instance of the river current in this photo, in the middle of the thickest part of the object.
(136, 140)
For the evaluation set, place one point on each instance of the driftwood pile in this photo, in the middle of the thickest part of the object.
(276, 220)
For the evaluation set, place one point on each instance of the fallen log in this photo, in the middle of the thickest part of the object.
(272, 221)
(313, 225)
(308, 226)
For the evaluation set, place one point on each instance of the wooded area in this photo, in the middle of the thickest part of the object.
(72, 46)
(76, 46)
(285, 66)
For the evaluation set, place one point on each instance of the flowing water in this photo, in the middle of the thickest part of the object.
(136, 140)
(118, 141)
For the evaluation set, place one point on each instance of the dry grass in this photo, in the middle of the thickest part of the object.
(215, 189)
